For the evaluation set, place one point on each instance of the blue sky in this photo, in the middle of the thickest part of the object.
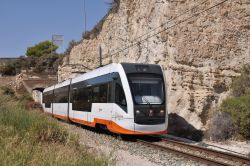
(24, 23)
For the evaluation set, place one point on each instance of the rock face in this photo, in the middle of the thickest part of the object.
(200, 47)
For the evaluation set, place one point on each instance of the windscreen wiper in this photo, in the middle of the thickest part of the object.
(144, 98)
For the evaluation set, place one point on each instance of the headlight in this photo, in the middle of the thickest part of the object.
(137, 112)
(162, 112)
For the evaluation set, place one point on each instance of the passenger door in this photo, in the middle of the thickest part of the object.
(120, 102)
(101, 103)
(80, 104)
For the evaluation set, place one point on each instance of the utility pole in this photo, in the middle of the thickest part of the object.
(58, 41)
(85, 16)
(100, 56)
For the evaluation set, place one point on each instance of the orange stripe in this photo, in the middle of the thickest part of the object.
(112, 126)
(60, 117)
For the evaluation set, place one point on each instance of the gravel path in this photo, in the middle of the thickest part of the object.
(124, 153)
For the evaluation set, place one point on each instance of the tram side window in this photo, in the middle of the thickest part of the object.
(100, 94)
(96, 94)
(109, 92)
(82, 99)
(103, 93)
(47, 100)
(119, 95)
(61, 95)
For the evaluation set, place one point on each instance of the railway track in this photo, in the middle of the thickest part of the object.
(199, 153)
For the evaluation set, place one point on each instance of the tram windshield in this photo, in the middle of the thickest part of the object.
(147, 89)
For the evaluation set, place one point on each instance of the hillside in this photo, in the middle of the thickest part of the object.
(202, 46)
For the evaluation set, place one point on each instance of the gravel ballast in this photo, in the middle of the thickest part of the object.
(122, 152)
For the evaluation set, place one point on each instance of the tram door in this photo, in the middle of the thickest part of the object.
(101, 106)
(81, 103)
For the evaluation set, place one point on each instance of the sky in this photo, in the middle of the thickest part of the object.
(24, 23)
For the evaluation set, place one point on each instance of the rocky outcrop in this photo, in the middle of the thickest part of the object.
(200, 48)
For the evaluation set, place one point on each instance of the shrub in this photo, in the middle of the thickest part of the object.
(8, 69)
(8, 91)
(241, 84)
(47, 63)
(239, 109)
(49, 132)
(13, 68)
(114, 6)
(234, 112)
(221, 127)
(95, 31)
(86, 35)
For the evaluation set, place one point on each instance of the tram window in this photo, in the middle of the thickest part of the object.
(47, 99)
(103, 93)
(109, 92)
(96, 94)
(100, 93)
(61, 95)
(47, 105)
(82, 99)
(119, 95)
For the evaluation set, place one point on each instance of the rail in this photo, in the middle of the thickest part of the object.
(202, 154)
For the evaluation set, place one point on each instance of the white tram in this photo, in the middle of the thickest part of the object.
(125, 98)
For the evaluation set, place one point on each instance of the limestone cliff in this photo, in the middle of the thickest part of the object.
(201, 51)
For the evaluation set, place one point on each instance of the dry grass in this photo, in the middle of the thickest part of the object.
(32, 138)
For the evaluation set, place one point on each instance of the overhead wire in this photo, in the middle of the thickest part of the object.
(172, 19)
(184, 20)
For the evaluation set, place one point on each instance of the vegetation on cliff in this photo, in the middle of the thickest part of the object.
(233, 116)
(32, 138)
(14, 67)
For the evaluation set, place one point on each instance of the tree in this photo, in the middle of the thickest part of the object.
(41, 49)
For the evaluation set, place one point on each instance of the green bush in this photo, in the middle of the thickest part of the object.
(239, 109)
(13, 68)
(8, 69)
(241, 84)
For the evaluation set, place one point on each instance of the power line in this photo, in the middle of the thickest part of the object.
(196, 6)
(195, 15)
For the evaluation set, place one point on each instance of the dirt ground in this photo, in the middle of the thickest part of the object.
(6, 80)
